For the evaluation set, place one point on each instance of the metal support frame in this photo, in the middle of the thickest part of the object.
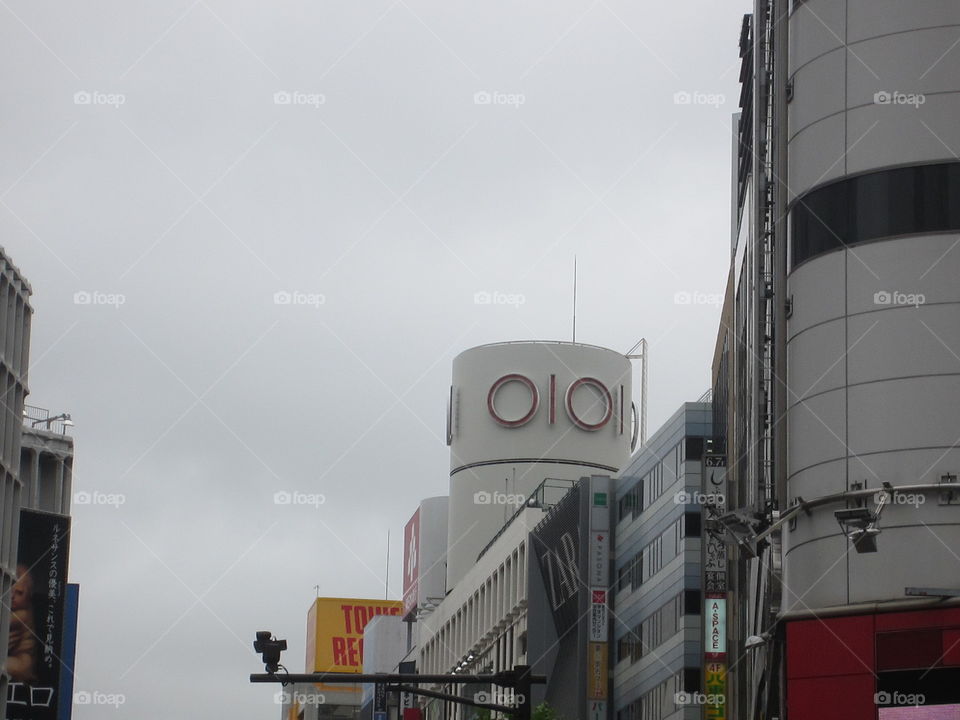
(643, 356)
(519, 679)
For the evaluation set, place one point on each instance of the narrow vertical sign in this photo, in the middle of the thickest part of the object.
(37, 602)
(598, 579)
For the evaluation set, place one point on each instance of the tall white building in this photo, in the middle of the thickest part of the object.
(837, 373)
(526, 420)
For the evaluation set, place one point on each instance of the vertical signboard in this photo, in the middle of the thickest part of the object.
(37, 602)
(407, 701)
(715, 588)
(715, 628)
(715, 707)
(715, 487)
(380, 702)
(556, 543)
(598, 579)
(411, 566)
(68, 652)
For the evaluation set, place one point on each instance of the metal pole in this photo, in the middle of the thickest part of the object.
(454, 698)
(503, 678)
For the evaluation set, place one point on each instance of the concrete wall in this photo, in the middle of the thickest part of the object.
(874, 386)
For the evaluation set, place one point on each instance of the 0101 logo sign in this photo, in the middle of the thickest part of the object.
(582, 384)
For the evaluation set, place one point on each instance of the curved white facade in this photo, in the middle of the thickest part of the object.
(521, 412)
(842, 54)
(873, 343)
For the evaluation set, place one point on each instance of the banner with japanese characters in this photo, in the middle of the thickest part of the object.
(37, 602)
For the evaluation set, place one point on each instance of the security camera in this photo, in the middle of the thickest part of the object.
(270, 648)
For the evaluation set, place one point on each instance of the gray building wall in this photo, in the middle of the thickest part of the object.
(873, 383)
(46, 469)
(663, 459)
(15, 315)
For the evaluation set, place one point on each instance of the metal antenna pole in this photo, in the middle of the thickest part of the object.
(574, 298)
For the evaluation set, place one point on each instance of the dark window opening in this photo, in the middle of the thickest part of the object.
(878, 205)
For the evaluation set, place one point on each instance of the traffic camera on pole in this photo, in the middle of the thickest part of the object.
(270, 648)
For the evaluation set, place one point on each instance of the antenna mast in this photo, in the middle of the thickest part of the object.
(574, 298)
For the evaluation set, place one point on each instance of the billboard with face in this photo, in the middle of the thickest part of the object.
(37, 602)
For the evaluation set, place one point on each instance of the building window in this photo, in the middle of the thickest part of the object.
(889, 203)
(692, 602)
(631, 504)
(693, 449)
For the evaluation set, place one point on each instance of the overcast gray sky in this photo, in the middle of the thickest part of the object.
(158, 193)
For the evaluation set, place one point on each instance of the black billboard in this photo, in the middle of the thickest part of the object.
(556, 542)
(37, 602)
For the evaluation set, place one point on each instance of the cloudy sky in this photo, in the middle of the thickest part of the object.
(255, 234)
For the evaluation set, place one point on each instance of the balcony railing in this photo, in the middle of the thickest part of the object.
(38, 418)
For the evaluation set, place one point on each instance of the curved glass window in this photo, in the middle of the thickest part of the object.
(903, 201)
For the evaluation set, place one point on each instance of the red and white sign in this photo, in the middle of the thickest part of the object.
(411, 565)
(599, 616)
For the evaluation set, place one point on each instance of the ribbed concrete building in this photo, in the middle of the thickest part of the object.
(46, 462)
(15, 317)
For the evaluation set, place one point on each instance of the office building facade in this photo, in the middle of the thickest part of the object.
(658, 584)
(15, 317)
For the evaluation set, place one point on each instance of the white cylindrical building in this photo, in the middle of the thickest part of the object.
(874, 331)
(520, 412)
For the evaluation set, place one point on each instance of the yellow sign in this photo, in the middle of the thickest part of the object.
(597, 671)
(335, 633)
(716, 691)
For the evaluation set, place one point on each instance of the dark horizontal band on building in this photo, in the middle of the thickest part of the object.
(915, 200)
(542, 461)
